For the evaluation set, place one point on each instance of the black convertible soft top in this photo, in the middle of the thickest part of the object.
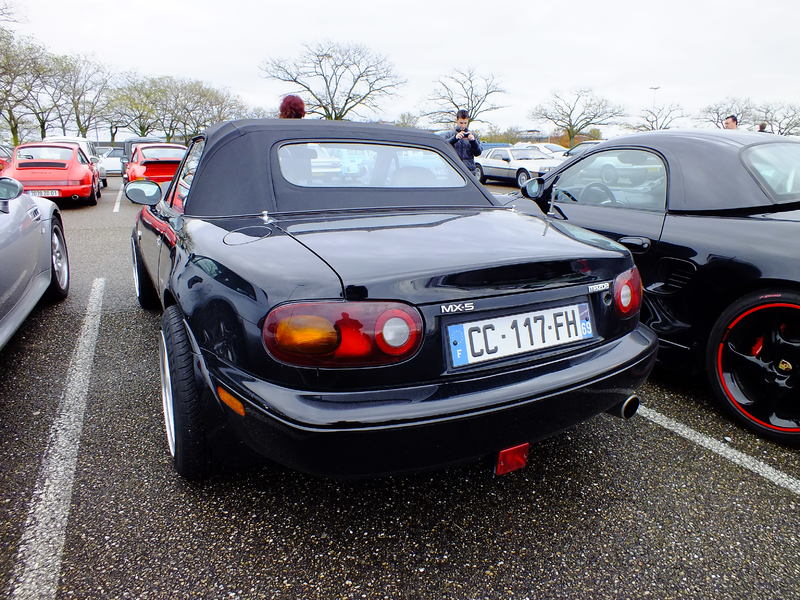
(238, 171)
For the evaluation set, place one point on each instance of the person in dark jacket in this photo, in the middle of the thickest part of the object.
(465, 142)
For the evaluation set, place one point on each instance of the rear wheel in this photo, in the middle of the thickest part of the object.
(92, 199)
(753, 363)
(185, 426)
(59, 262)
(479, 174)
(146, 292)
(522, 177)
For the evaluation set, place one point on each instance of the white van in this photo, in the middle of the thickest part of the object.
(89, 149)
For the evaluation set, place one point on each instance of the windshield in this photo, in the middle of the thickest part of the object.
(43, 153)
(163, 152)
(528, 154)
(346, 165)
(777, 166)
(555, 148)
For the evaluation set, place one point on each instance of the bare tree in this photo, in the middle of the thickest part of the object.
(781, 118)
(337, 79)
(46, 101)
(20, 70)
(407, 119)
(86, 85)
(577, 111)
(133, 103)
(716, 113)
(464, 90)
(659, 117)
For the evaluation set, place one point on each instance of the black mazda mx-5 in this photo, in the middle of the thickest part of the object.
(713, 221)
(347, 300)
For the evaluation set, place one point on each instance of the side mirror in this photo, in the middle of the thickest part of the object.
(123, 160)
(94, 160)
(9, 189)
(143, 191)
(507, 158)
(533, 188)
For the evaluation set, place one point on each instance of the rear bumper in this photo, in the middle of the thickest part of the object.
(64, 191)
(387, 431)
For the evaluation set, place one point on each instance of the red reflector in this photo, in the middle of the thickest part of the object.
(512, 459)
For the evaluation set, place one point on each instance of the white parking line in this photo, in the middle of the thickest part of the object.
(38, 563)
(740, 458)
(116, 203)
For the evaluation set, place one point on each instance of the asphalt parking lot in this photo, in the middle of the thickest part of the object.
(676, 503)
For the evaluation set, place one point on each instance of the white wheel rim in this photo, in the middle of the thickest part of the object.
(522, 178)
(166, 395)
(59, 259)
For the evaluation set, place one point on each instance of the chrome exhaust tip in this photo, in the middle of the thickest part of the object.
(627, 408)
(75, 197)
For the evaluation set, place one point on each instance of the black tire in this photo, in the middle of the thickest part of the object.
(92, 199)
(186, 428)
(146, 293)
(753, 363)
(480, 175)
(522, 178)
(59, 263)
(105, 182)
(99, 193)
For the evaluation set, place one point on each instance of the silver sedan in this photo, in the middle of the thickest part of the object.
(34, 255)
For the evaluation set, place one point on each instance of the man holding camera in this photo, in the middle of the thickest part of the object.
(465, 142)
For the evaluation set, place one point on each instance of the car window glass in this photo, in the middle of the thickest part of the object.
(778, 168)
(82, 158)
(331, 164)
(501, 154)
(528, 154)
(43, 153)
(184, 180)
(615, 178)
(115, 153)
(162, 152)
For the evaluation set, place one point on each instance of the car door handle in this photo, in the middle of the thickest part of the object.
(635, 244)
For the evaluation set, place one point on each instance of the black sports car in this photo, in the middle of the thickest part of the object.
(387, 317)
(713, 221)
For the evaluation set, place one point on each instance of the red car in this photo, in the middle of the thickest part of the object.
(54, 170)
(156, 162)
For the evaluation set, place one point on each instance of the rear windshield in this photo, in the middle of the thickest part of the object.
(43, 153)
(777, 166)
(355, 165)
(163, 152)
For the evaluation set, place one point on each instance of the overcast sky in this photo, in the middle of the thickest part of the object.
(696, 51)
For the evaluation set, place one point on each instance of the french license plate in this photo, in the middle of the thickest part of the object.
(499, 337)
(47, 193)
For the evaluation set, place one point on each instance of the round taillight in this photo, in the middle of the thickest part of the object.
(396, 332)
(628, 292)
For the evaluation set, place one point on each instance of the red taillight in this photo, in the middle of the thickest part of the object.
(628, 292)
(342, 334)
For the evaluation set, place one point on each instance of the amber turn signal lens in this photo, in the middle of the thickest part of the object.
(231, 402)
(307, 334)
